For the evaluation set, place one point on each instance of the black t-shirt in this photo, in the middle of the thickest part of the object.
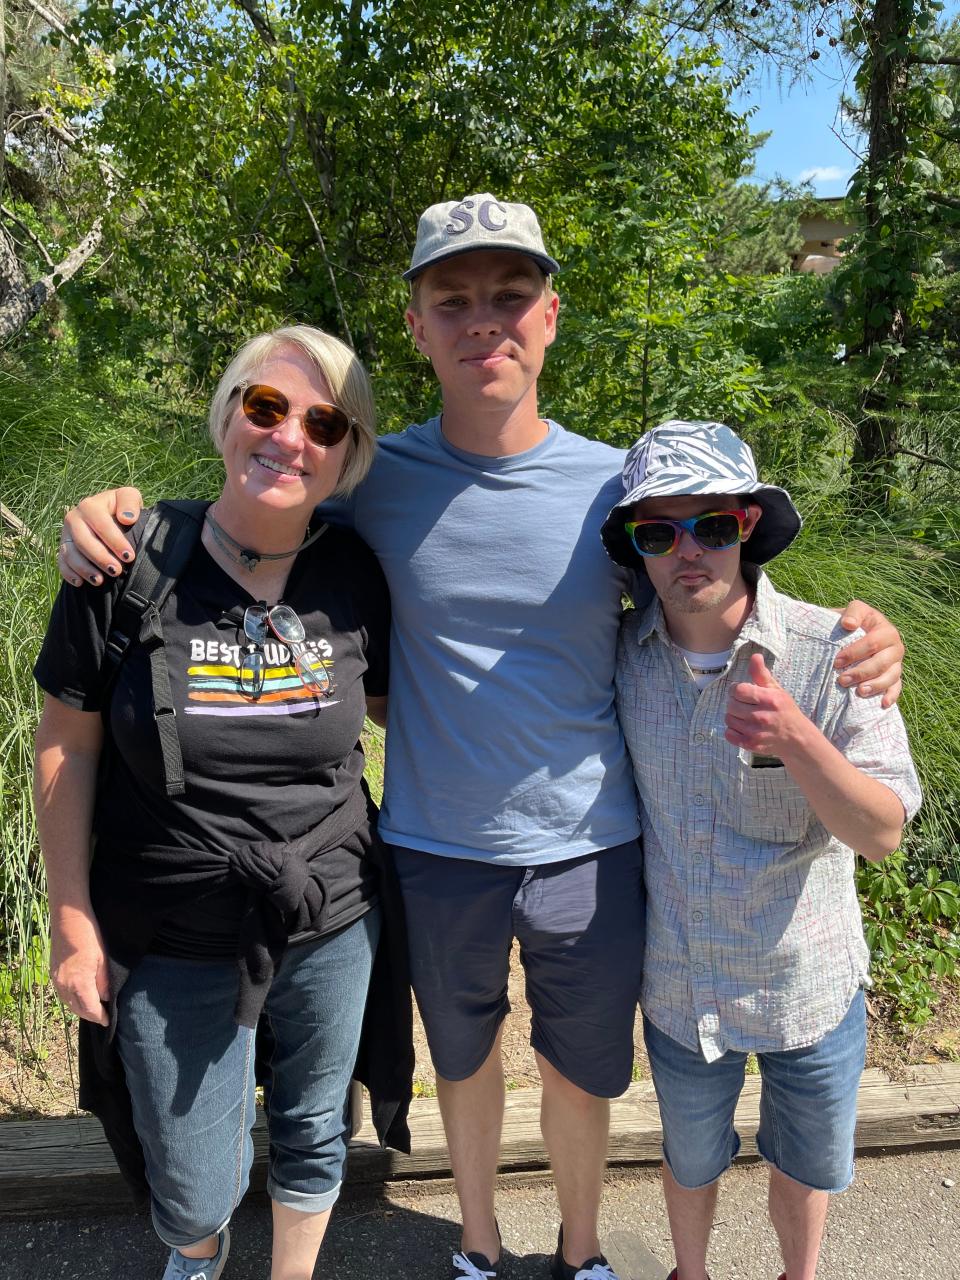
(258, 770)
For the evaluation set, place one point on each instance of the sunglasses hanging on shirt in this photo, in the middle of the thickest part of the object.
(260, 622)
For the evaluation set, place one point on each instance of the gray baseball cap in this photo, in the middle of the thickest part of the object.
(477, 222)
(680, 458)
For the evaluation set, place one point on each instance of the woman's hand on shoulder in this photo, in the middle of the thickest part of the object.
(92, 541)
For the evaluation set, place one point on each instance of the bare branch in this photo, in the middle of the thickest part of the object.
(284, 152)
(52, 21)
(12, 278)
(322, 159)
(34, 239)
(926, 457)
(260, 23)
(3, 95)
(323, 249)
(948, 61)
(937, 197)
(13, 521)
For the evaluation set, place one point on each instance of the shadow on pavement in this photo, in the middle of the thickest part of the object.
(369, 1238)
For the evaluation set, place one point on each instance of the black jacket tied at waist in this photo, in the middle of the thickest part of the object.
(286, 896)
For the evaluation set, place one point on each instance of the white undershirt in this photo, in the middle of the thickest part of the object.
(705, 667)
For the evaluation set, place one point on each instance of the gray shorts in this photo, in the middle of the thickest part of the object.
(580, 927)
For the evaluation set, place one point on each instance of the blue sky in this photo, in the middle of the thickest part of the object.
(809, 141)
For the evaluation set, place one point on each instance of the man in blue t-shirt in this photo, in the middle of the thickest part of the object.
(508, 795)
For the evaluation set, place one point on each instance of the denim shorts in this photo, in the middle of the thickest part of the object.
(189, 1071)
(580, 927)
(808, 1106)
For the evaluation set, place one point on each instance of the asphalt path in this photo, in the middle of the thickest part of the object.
(900, 1218)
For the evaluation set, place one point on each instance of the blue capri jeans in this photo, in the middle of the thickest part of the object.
(189, 1070)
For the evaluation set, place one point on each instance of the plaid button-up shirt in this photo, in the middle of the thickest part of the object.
(754, 935)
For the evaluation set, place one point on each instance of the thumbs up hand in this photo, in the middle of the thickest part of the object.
(761, 715)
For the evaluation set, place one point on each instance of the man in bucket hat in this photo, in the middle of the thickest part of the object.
(508, 795)
(759, 778)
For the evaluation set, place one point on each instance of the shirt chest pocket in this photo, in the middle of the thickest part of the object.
(766, 804)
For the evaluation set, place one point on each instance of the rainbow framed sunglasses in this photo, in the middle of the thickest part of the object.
(713, 531)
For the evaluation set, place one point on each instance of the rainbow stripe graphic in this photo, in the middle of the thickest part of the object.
(214, 690)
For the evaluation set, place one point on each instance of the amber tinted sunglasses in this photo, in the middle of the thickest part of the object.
(266, 407)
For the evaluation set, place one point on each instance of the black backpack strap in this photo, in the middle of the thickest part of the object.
(169, 538)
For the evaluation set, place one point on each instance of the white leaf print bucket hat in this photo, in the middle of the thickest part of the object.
(679, 458)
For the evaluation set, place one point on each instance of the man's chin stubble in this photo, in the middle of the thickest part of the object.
(699, 601)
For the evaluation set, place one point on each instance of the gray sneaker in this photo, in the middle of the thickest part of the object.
(181, 1268)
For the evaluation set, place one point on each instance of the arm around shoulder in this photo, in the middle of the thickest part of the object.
(872, 664)
(857, 808)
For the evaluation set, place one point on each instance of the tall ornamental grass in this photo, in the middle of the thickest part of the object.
(836, 559)
(60, 438)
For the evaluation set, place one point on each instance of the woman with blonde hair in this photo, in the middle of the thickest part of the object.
(234, 878)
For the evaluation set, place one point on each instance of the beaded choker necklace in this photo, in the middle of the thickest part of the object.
(246, 556)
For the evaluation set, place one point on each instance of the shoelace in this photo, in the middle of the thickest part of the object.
(599, 1271)
(472, 1272)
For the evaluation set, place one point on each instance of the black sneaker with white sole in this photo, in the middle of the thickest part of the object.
(597, 1268)
(477, 1266)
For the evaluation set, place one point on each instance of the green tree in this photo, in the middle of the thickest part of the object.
(759, 229)
(54, 182)
(281, 156)
(907, 97)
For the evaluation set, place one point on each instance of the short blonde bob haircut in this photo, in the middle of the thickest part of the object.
(340, 369)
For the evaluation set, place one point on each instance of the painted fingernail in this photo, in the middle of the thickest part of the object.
(112, 570)
(96, 579)
(128, 515)
(125, 555)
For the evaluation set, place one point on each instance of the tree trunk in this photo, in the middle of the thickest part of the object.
(21, 302)
(887, 147)
(3, 97)
(884, 319)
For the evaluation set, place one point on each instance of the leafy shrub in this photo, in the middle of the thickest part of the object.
(911, 930)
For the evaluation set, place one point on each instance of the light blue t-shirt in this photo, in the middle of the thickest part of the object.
(503, 741)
